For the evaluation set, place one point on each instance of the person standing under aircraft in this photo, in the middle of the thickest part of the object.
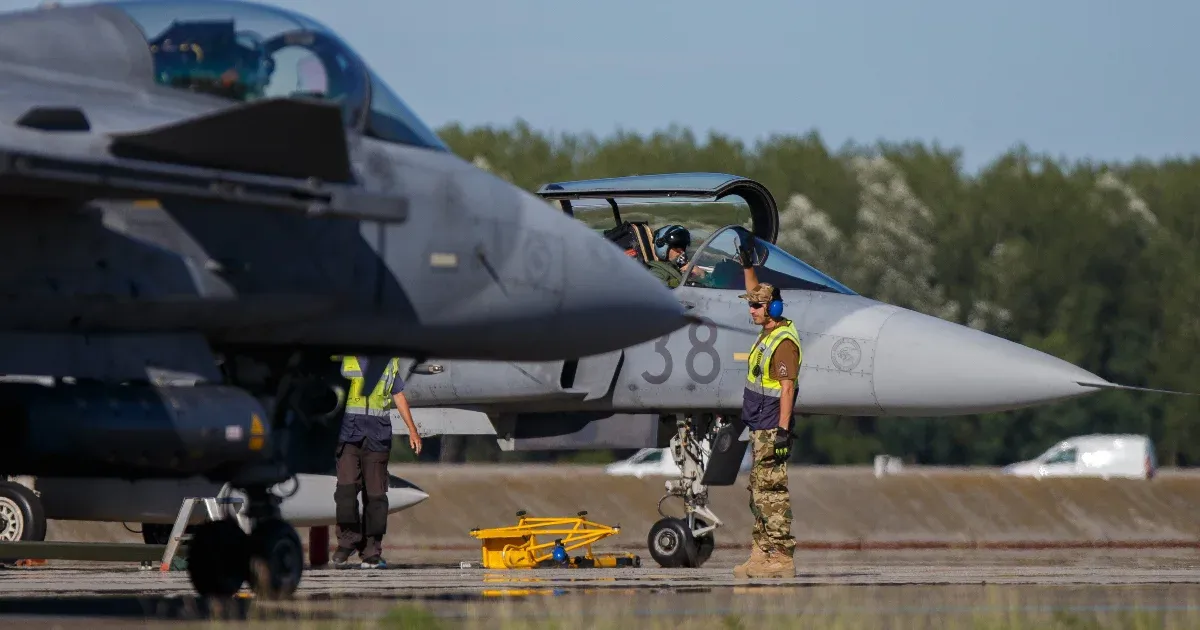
(767, 404)
(364, 447)
(670, 245)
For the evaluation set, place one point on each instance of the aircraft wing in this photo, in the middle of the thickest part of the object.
(281, 153)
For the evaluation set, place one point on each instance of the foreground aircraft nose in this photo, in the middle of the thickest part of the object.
(556, 289)
(926, 366)
(608, 300)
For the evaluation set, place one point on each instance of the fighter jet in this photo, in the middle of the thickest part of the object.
(861, 357)
(201, 205)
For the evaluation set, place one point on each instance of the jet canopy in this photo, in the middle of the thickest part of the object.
(713, 262)
(716, 265)
(678, 188)
(242, 51)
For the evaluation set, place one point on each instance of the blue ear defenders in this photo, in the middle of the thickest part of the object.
(775, 306)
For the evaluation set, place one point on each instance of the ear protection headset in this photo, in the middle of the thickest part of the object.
(775, 306)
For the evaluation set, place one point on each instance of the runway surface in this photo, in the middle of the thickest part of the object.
(830, 568)
(876, 584)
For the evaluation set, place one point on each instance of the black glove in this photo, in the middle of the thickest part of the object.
(745, 251)
(783, 445)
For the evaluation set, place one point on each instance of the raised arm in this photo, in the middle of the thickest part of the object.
(746, 256)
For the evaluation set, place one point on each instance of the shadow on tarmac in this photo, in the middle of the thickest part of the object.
(143, 607)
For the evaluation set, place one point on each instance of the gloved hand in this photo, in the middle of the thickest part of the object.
(783, 445)
(745, 251)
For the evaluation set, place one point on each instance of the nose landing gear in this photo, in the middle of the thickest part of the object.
(222, 556)
(708, 453)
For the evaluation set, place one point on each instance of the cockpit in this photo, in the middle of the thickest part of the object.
(713, 263)
(716, 265)
(243, 52)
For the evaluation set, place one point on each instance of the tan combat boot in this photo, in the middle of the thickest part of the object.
(776, 564)
(756, 558)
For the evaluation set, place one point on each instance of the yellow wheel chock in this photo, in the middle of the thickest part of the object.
(517, 547)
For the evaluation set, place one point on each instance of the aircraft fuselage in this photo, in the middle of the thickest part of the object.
(860, 357)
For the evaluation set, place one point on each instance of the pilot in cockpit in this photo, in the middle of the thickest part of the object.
(670, 246)
(210, 57)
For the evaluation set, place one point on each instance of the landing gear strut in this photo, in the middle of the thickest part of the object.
(306, 400)
(708, 453)
(222, 556)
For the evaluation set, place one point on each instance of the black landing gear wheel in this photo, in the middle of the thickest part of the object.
(218, 558)
(672, 544)
(21, 514)
(276, 559)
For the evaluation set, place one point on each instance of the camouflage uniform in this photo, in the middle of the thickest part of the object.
(770, 501)
(668, 272)
(775, 357)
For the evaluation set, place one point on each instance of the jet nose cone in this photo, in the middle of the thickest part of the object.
(926, 366)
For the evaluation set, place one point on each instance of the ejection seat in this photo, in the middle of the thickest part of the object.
(636, 238)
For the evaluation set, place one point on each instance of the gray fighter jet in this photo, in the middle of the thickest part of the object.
(861, 357)
(201, 204)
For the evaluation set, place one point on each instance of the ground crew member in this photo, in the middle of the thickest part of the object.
(364, 446)
(670, 245)
(767, 404)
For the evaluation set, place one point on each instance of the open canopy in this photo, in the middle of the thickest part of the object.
(715, 265)
(764, 213)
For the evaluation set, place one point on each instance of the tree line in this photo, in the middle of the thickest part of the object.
(1092, 262)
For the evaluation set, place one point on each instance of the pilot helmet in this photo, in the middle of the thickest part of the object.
(671, 236)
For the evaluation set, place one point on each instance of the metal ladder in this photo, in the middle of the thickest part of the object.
(212, 507)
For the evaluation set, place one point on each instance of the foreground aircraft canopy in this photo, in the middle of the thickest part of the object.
(203, 205)
(861, 357)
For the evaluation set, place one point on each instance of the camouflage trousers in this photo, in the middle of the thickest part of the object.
(770, 501)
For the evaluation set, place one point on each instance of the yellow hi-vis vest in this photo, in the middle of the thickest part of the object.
(759, 380)
(380, 400)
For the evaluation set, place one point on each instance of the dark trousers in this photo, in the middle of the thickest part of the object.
(366, 471)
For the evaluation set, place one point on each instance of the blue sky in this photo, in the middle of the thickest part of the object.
(1073, 78)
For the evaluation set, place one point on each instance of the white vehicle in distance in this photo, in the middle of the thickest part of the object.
(1097, 455)
(656, 462)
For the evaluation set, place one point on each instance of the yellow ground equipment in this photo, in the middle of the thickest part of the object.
(517, 547)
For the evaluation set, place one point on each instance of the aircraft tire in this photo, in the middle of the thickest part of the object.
(276, 559)
(218, 558)
(22, 517)
(671, 543)
(21, 513)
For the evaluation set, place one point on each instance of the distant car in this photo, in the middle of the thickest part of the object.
(1096, 455)
(655, 462)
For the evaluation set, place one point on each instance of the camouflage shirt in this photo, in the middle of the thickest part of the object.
(666, 271)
